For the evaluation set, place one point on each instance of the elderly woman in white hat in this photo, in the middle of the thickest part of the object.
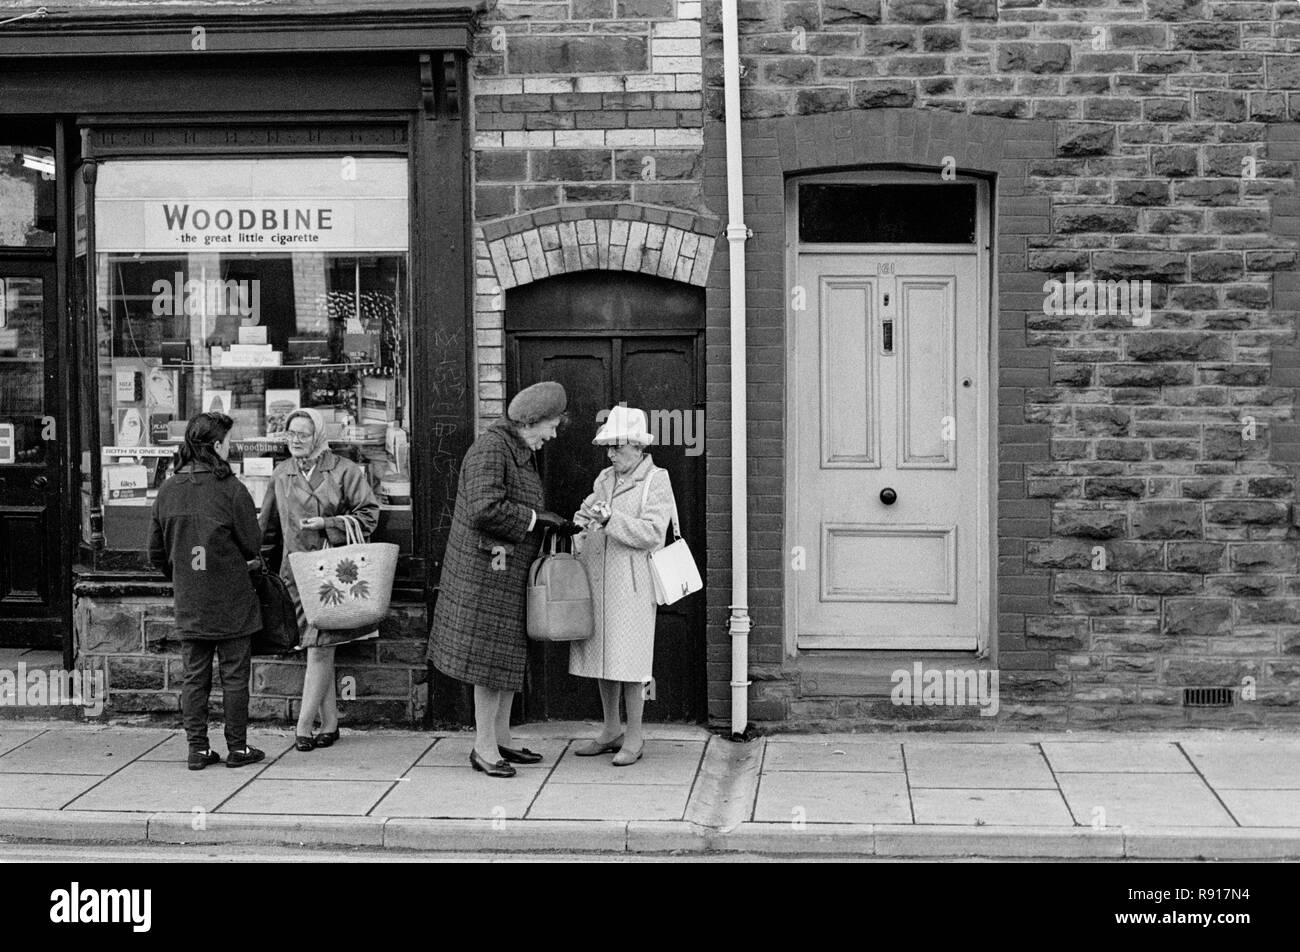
(624, 520)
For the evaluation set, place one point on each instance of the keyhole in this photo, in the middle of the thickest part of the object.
(966, 382)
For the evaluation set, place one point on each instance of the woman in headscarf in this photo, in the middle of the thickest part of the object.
(311, 491)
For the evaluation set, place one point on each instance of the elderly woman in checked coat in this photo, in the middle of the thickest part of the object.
(478, 629)
(624, 520)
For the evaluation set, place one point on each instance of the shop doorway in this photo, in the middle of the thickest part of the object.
(32, 562)
(610, 338)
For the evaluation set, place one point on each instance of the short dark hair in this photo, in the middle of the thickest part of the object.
(202, 435)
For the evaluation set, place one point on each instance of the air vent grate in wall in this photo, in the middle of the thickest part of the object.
(1207, 697)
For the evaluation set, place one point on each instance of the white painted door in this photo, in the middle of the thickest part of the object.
(888, 366)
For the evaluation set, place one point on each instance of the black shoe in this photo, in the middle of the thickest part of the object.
(203, 758)
(304, 743)
(521, 756)
(242, 758)
(498, 769)
(327, 739)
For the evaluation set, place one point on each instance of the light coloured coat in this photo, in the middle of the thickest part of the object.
(617, 559)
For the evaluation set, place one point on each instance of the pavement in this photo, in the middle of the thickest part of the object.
(1185, 795)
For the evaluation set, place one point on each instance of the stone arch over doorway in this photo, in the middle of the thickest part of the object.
(618, 236)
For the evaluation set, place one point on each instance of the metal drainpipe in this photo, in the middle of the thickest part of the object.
(736, 235)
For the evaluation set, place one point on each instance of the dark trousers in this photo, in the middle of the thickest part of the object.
(236, 658)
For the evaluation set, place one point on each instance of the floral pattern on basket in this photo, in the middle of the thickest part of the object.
(349, 586)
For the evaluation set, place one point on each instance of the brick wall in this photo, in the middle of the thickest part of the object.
(1145, 140)
(587, 153)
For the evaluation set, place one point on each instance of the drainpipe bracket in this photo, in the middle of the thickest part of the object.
(739, 232)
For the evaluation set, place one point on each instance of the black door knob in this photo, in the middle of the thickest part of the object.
(888, 496)
(40, 482)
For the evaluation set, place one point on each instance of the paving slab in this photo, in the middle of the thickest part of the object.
(827, 797)
(610, 801)
(1244, 763)
(106, 826)
(454, 752)
(175, 749)
(452, 792)
(671, 762)
(604, 836)
(11, 737)
(162, 787)
(1270, 808)
(308, 797)
(79, 751)
(44, 791)
(1142, 800)
(1121, 755)
(868, 756)
(255, 828)
(356, 757)
(984, 807)
(1007, 766)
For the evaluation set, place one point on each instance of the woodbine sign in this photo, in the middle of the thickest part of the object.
(242, 205)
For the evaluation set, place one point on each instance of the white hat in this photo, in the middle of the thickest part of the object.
(624, 425)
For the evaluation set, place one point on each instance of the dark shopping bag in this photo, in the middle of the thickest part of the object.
(279, 634)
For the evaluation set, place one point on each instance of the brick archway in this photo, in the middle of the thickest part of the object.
(617, 236)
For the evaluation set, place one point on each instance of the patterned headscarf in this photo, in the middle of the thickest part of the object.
(320, 442)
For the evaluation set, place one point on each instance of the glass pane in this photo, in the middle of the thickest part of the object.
(27, 192)
(921, 214)
(253, 287)
(22, 368)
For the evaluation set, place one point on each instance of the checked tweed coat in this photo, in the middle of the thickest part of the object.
(617, 559)
(478, 629)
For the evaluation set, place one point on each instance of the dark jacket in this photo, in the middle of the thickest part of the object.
(477, 632)
(202, 535)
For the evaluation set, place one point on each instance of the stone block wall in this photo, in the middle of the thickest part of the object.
(588, 133)
(1154, 142)
(133, 640)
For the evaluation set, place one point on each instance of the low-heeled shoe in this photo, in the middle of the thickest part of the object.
(199, 759)
(594, 748)
(521, 756)
(498, 769)
(327, 738)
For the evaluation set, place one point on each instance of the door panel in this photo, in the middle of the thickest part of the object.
(653, 374)
(31, 561)
(878, 402)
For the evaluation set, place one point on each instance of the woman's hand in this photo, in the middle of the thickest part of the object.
(312, 522)
(600, 511)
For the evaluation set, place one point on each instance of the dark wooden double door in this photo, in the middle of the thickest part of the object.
(654, 372)
(33, 610)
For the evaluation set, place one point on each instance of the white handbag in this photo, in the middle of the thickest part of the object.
(672, 568)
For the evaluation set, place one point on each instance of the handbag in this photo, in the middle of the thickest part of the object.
(559, 598)
(672, 567)
(349, 586)
(279, 634)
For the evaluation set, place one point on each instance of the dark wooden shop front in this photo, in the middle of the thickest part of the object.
(89, 94)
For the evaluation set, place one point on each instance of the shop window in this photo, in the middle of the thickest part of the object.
(887, 214)
(252, 287)
(27, 194)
